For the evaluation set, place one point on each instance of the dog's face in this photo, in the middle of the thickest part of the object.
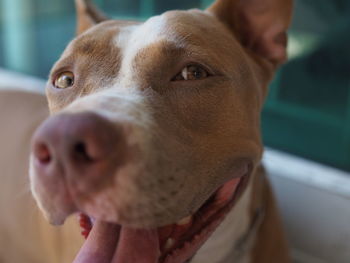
(185, 138)
(175, 103)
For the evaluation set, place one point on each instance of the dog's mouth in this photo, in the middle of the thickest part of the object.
(175, 243)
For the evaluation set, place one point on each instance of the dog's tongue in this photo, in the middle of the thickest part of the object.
(109, 243)
(101, 244)
(137, 245)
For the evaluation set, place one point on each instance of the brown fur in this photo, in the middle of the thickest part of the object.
(259, 25)
(271, 242)
(89, 15)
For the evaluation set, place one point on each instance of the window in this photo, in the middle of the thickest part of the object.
(308, 109)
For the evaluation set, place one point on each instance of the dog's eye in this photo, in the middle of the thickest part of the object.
(64, 80)
(192, 72)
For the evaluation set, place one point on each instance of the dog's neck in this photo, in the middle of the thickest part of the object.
(221, 246)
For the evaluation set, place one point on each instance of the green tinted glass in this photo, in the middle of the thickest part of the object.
(308, 109)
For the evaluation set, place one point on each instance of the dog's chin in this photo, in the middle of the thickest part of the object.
(175, 243)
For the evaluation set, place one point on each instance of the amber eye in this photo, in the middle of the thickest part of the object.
(192, 72)
(64, 80)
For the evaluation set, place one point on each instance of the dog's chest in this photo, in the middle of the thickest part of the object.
(221, 247)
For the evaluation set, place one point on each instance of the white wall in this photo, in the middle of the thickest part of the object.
(13, 80)
(315, 204)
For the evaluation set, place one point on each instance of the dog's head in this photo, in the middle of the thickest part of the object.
(155, 122)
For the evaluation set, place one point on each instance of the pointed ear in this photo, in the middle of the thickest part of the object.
(87, 15)
(260, 25)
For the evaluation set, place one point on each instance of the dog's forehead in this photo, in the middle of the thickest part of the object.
(140, 35)
(116, 40)
(163, 27)
(174, 27)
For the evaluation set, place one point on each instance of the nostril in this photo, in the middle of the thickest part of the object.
(80, 151)
(42, 153)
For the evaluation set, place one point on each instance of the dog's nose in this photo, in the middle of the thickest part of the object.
(77, 145)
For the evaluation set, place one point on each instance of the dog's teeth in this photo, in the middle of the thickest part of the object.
(184, 221)
(169, 243)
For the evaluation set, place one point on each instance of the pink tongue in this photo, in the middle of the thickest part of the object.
(110, 243)
(100, 245)
(137, 245)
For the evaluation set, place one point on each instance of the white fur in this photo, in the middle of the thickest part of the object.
(132, 39)
(219, 248)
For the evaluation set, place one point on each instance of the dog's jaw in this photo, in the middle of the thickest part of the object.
(169, 244)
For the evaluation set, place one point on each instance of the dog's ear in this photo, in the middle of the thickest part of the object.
(260, 25)
(87, 15)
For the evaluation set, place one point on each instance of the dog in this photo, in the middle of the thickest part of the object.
(154, 135)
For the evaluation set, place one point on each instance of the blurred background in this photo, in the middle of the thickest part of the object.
(306, 119)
